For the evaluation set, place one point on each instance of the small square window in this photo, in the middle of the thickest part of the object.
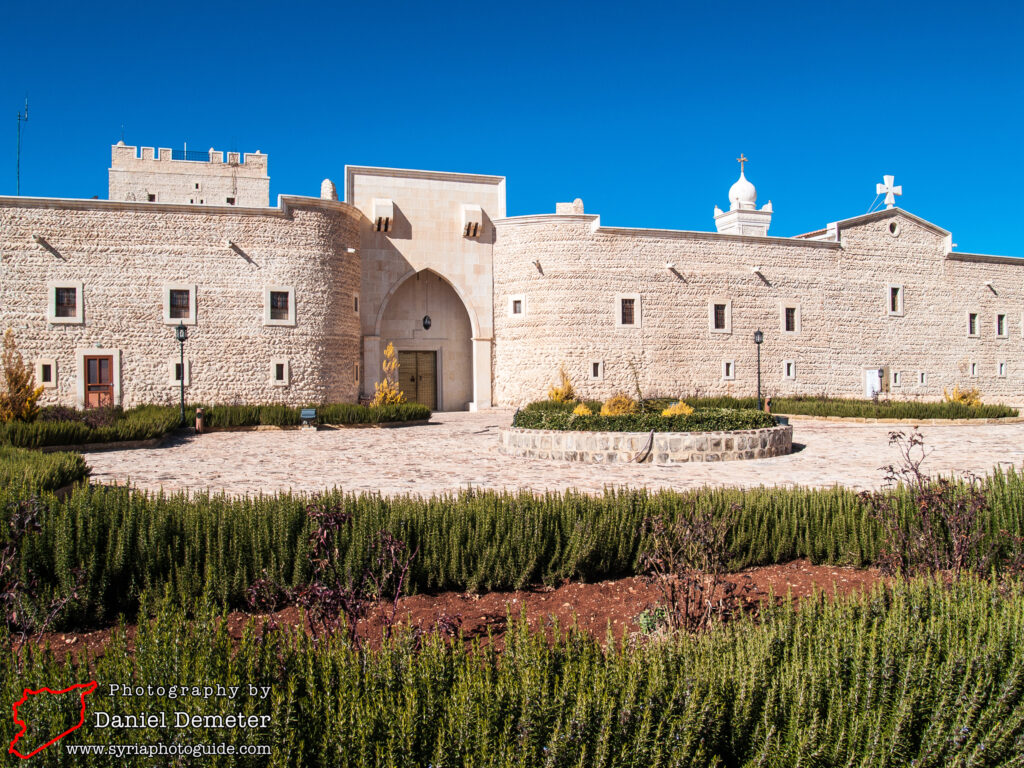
(728, 370)
(280, 372)
(974, 369)
(596, 370)
(516, 306)
(231, 201)
(179, 304)
(46, 373)
(1001, 370)
(151, 198)
(627, 310)
(1001, 326)
(65, 303)
(174, 372)
(788, 369)
(895, 300)
(972, 324)
(278, 305)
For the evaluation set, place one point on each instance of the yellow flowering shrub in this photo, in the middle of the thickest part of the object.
(619, 405)
(563, 391)
(582, 410)
(678, 409)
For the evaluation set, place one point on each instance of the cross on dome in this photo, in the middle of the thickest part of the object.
(889, 190)
(741, 160)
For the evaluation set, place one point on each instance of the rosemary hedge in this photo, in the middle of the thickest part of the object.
(850, 408)
(67, 426)
(21, 467)
(703, 420)
(127, 541)
(807, 406)
(918, 674)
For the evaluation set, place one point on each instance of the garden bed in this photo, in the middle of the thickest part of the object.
(647, 448)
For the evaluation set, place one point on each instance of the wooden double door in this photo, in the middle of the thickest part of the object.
(417, 377)
(99, 381)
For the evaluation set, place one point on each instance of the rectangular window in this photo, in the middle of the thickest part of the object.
(66, 302)
(974, 369)
(517, 306)
(46, 373)
(179, 303)
(628, 306)
(1001, 369)
(151, 198)
(278, 371)
(728, 370)
(897, 379)
(719, 317)
(895, 304)
(1001, 326)
(231, 201)
(791, 319)
(355, 303)
(972, 323)
(922, 378)
(177, 372)
(278, 305)
(357, 373)
(596, 370)
(788, 369)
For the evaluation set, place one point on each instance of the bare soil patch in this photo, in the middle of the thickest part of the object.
(593, 607)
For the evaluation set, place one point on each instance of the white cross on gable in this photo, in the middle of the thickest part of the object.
(889, 190)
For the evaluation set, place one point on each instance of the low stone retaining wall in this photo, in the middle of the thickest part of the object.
(667, 447)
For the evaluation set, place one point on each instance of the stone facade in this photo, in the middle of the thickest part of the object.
(188, 177)
(430, 262)
(124, 256)
(664, 448)
(568, 271)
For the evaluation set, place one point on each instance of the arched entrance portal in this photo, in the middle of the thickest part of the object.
(436, 362)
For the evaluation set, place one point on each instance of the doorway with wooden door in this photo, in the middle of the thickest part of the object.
(99, 381)
(417, 376)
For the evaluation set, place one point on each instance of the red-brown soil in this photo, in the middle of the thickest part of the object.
(594, 607)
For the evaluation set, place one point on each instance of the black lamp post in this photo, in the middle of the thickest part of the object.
(181, 333)
(758, 338)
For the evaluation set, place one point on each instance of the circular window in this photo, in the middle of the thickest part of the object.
(894, 228)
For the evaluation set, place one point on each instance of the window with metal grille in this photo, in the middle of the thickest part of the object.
(628, 307)
(279, 307)
(66, 302)
(719, 317)
(791, 319)
(178, 304)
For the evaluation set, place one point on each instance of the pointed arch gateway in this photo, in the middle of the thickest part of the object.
(436, 354)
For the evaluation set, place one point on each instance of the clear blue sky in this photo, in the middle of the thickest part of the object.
(640, 109)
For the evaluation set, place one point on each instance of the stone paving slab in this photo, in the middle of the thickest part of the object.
(460, 450)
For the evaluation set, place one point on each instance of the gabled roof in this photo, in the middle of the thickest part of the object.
(886, 213)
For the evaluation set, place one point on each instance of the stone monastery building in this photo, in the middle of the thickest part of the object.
(295, 303)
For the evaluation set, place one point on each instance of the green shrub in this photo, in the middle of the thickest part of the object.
(916, 674)
(142, 423)
(850, 408)
(703, 420)
(127, 541)
(40, 471)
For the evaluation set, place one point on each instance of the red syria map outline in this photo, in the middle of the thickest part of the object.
(88, 688)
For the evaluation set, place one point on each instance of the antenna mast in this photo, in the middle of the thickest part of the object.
(22, 118)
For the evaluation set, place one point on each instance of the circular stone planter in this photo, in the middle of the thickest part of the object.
(667, 447)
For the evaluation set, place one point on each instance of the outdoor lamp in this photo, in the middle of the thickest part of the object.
(758, 338)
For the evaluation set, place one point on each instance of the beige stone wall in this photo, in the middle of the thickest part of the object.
(427, 234)
(841, 290)
(136, 175)
(124, 254)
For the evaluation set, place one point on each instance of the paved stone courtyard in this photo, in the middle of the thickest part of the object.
(458, 450)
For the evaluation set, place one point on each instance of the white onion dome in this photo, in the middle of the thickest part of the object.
(742, 194)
